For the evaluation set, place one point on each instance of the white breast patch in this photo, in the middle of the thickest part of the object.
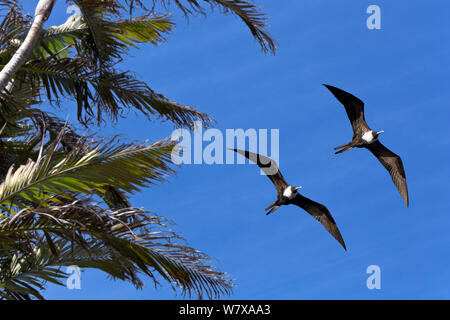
(288, 193)
(368, 136)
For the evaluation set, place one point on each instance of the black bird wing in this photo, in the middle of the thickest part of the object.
(268, 166)
(321, 213)
(394, 165)
(354, 108)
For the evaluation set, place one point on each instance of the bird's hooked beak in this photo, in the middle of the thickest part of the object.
(296, 188)
(380, 131)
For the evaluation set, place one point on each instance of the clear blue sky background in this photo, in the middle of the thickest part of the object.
(401, 72)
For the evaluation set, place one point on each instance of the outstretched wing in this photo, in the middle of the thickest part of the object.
(321, 213)
(269, 167)
(354, 108)
(394, 166)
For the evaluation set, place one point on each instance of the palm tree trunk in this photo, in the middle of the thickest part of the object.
(41, 15)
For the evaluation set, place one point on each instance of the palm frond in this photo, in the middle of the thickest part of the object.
(245, 10)
(106, 93)
(58, 41)
(23, 131)
(122, 243)
(12, 28)
(89, 168)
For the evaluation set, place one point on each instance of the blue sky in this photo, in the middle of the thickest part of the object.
(400, 71)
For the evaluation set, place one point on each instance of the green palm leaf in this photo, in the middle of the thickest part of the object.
(90, 167)
(59, 40)
(245, 10)
(122, 243)
(109, 92)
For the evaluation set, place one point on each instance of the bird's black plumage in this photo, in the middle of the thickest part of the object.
(394, 165)
(364, 137)
(317, 210)
(354, 108)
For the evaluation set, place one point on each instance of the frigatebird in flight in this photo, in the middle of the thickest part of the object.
(364, 137)
(287, 194)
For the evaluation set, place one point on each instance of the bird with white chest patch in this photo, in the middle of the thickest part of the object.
(364, 137)
(287, 194)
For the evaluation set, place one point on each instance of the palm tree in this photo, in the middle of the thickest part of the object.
(64, 197)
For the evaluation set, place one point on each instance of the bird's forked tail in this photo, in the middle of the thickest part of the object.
(344, 147)
(274, 206)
